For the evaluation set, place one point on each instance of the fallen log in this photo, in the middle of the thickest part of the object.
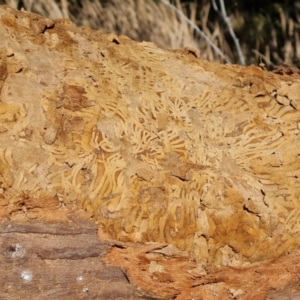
(156, 146)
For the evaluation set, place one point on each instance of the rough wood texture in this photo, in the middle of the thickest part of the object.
(48, 251)
(57, 261)
(162, 270)
(157, 146)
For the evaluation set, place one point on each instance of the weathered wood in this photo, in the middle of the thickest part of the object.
(159, 146)
(164, 271)
(57, 261)
(156, 146)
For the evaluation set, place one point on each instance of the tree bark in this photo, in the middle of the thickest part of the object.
(41, 260)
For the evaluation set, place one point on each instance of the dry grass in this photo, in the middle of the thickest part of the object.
(151, 20)
(139, 19)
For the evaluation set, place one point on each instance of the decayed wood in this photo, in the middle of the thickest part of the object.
(156, 146)
(162, 270)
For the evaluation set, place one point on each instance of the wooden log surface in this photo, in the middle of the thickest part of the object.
(189, 170)
(41, 260)
(162, 271)
(48, 251)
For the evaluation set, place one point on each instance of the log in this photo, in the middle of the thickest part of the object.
(57, 260)
(188, 169)
(160, 271)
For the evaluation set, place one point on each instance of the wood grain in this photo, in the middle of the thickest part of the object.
(57, 261)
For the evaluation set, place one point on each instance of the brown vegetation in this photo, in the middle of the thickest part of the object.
(268, 32)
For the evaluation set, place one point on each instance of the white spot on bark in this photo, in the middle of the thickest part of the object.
(26, 275)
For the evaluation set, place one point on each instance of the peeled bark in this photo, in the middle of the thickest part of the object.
(156, 146)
